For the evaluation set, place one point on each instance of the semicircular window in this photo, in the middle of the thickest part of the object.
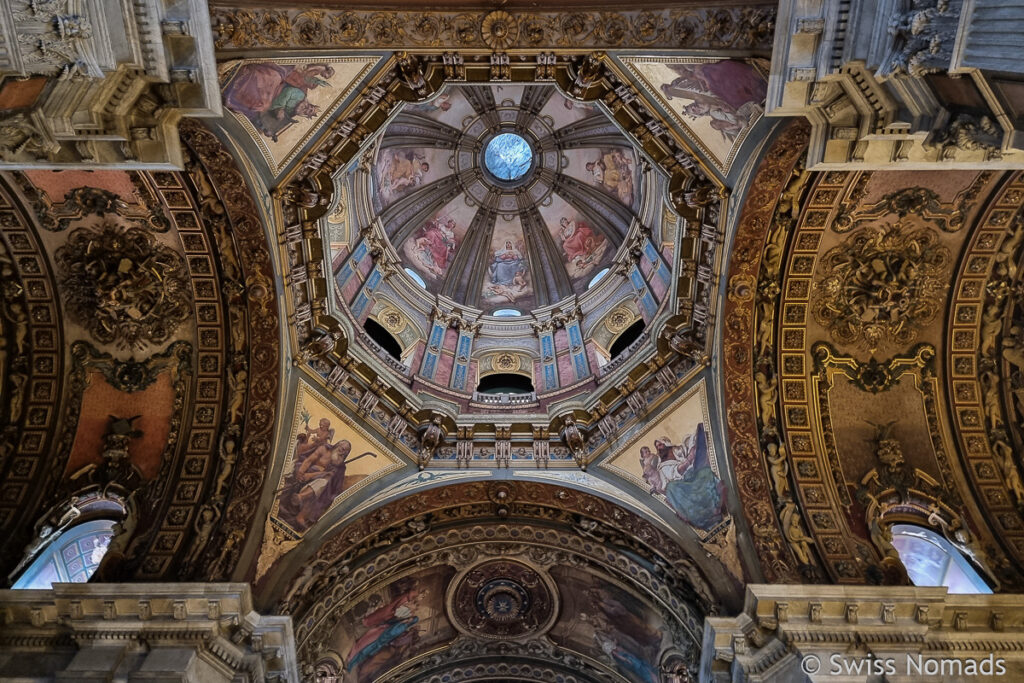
(597, 278)
(931, 560)
(507, 313)
(505, 383)
(416, 277)
(72, 557)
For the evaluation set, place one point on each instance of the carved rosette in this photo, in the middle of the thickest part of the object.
(502, 599)
(123, 286)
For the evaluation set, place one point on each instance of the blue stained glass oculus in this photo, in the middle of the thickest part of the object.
(508, 156)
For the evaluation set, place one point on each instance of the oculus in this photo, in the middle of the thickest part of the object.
(508, 156)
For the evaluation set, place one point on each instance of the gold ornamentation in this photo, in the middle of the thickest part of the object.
(392, 320)
(618, 320)
(507, 362)
(881, 284)
(666, 28)
(123, 286)
(499, 30)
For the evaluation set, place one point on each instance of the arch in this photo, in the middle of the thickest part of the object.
(932, 560)
(505, 383)
(72, 557)
(383, 338)
(626, 337)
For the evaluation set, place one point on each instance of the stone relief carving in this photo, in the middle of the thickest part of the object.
(749, 27)
(123, 286)
(882, 284)
(922, 38)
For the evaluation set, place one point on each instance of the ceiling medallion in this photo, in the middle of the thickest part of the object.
(881, 284)
(499, 29)
(124, 286)
(618, 320)
(502, 599)
(392, 320)
(506, 362)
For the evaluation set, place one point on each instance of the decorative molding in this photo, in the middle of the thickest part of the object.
(747, 28)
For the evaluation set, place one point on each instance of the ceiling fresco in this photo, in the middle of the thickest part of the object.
(492, 242)
(281, 103)
(715, 101)
(773, 368)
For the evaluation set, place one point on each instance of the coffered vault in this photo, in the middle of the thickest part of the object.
(507, 345)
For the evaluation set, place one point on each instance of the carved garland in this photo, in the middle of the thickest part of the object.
(772, 176)
(31, 368)
(981, 345)
(691, 28)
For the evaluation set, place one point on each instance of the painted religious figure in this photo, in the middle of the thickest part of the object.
(683, 474)
(392, 626)
(401, 170)
(612, 171)
(507, 272)
(723, 91)
(435, 244)
(582, 246)
(275, 96)
(610, 624)
(318, 475)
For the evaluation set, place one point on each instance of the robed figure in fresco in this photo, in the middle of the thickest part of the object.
(508, 272)
(390, 626)
(579, 242)
(435, 245)
(318, 476)
(683, 474)
(723, 91)
(273, 96)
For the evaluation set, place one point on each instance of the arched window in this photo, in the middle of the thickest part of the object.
(931, 560)
(628, 336)
(505, 383)
(597, 278)
(383, 338)
(507, 313)
(72, 557)
(416, 277)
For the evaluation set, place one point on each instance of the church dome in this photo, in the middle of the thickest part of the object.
(504, 196)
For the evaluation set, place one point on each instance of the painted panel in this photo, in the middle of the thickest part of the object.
(561, 111)
(507, 280)
(611, 169)
(326, 462)
(674, 460)
(450, 107)
(605, 622)
(283, 103)
(714, 101)
(399, 171)
(431, 248)
(394, 624)
(582, 246)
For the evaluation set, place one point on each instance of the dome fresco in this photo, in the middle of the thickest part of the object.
(505, 196)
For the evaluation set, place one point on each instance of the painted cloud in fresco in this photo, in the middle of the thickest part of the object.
(673, 459)
(562, 111)
(715, 101)
(450, 107)
(282, 103)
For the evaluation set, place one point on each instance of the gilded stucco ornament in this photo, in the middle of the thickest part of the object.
(499, 30)
(881, 285)
(123, 286)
